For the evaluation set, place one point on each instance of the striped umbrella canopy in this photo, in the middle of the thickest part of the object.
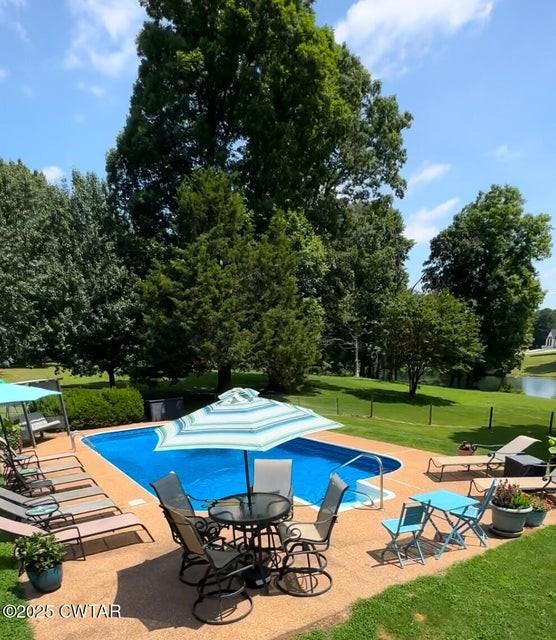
(241, 419)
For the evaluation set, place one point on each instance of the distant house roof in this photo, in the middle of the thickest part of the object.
(552, 333)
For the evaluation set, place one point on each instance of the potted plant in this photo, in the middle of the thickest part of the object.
(466, 448)
(540, 508)
(552, 451)
(510, 507)
(42, 556)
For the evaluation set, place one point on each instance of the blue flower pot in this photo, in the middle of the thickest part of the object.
(48, 580)
(535, 518)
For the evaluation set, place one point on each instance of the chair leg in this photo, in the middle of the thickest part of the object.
(310, 572)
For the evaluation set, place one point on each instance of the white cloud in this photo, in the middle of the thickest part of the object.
(94, 89)
(4, 73)
(386, 33)
(428, 173)
(8, 9)
(503, 152)
(104, 34)
(52, 173)
(420, 226)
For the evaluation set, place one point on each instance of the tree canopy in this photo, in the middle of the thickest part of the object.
(487, 257)
(259, 90)
(431, 331)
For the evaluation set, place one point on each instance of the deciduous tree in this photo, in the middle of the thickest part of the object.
(487, 257)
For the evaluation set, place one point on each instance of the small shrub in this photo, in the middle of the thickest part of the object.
(39, 552)
(539, 504)
(96, 408)
(510, 496)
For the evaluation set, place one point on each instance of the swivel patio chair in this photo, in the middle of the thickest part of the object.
(172, 496)
(273, 476)
(224, 567)
(411, 521)
(471, 517)
(310, 539)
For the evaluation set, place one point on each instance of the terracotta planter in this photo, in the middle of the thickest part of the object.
(508, 523)
(465, 452)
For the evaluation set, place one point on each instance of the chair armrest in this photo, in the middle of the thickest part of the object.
(487, 446)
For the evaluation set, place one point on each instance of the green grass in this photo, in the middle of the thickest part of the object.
(539, 364)
(457, 414)
(508, 592)
(11, 629)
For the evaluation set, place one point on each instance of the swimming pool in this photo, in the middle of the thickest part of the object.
(214, 473)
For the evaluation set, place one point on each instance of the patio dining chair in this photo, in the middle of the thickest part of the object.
(310, 540)
(222, 581)
(411, 521)
(470, 518)
(273, 476)
(172, 497)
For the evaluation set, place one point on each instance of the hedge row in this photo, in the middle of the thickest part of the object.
(95, 408)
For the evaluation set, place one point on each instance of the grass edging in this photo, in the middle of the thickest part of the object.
(10, 593)
(507, 592)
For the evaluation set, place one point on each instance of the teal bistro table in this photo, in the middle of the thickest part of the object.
(443, 503)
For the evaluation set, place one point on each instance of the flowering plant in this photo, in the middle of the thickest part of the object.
(510, 496)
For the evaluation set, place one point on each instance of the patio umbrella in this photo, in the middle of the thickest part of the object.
(241, 419)
(20, 394)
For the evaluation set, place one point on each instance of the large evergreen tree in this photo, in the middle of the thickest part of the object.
(486, 257)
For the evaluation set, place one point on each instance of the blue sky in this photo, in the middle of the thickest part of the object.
(477, 75)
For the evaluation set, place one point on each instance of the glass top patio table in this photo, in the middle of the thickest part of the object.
(262, 510)
(444, 500)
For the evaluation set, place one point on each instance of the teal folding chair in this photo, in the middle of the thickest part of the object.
(411, 521)
(470, 517)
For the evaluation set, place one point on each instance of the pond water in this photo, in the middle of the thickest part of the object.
(536, 386)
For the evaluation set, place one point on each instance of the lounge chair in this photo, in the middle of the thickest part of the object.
(411, 521)
(224, 566)
(470, 517)
(526, 483)
(310, 539)
(77, 532)
(273, 476)
(60, 496)
(483, 462)
(30, 455)
(172, 496)
(49, 511)
(29, 485)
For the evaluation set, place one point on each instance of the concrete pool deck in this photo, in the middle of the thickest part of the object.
(142, 578)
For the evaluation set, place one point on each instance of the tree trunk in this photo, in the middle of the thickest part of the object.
(413, 381)
(224, 378)
(111, 377)
(357, 359)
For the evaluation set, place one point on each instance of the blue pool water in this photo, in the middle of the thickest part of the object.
(214, 473)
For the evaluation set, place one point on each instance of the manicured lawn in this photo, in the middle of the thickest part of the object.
(15, 629)
(539, 364)
(457, 414)
(508, 592)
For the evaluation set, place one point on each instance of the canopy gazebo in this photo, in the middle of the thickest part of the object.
(25, 392)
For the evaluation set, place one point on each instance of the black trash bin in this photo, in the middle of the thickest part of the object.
(165, 409)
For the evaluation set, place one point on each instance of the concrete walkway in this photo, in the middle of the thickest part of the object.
(142, 578)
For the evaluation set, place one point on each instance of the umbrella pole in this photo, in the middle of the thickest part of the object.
(247, 480)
